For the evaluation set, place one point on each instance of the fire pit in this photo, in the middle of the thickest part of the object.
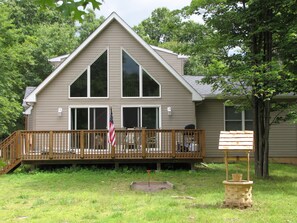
(153, 186)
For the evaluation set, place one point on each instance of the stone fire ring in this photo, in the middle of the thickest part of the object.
(153, 186)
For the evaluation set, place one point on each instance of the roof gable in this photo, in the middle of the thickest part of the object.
(32, 97)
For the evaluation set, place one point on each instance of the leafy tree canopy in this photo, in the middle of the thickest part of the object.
(75, 8)
(264, 67)
(29, 36)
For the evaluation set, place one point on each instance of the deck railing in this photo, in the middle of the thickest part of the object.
(93, 144)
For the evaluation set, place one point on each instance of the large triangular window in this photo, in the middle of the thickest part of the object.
(93, 81)
(136, 81)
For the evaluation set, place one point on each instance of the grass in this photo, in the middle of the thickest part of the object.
(96, 195)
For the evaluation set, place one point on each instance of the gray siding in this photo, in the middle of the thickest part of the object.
(115, 38)
(283, 140)
(210, 116)
(173, 60)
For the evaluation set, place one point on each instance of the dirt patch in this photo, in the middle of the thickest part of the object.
(151, 186)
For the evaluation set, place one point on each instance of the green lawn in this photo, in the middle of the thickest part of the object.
(94, 195)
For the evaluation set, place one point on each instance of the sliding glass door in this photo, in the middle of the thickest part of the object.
(90, 118)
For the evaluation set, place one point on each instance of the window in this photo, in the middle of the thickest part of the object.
(79, 87)
(88, 118)
(141, 117)
(93, 81)
(238, 120)
(136, 81)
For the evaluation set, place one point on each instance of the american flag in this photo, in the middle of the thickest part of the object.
(111, 132)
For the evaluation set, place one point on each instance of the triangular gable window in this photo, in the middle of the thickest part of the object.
(136, 81)
(79, 87)
(93, 82)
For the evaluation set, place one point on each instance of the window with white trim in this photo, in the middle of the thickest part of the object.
(93, 81)
(238, 120)
(147, 117)
(88, 118)
(136, 82)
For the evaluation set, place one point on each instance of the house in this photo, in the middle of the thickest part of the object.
(212, 116)
(67, 115)
(160, 114)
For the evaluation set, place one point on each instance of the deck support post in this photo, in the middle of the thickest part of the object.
(116, 165)
(192, 166)
(159, 167)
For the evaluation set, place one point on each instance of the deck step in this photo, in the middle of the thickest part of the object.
(11, 167)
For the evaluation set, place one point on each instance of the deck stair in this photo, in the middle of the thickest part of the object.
(10, 167)
(9, 153)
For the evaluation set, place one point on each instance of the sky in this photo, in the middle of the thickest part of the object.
(134, 11)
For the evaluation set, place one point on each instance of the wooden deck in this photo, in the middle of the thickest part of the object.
(135, 145)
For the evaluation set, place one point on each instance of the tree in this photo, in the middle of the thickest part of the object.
(173, 30)
(89, 24)
(75, 8)
(261, 70)
(10, 80)
(29, 36)
(160, 27)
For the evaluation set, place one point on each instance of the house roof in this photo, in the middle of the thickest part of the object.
(113, 17)
(205, 90)
(170, 52)
(28, 91)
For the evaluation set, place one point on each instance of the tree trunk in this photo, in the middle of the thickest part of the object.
(261, 136)
(262, 45)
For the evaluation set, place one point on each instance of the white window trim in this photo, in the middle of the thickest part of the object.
(89, 79)
(141, 106)
(243, 120)
(140, 78)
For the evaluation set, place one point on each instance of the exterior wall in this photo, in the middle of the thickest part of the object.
(210, 116)
(173, 60)
(114, 38)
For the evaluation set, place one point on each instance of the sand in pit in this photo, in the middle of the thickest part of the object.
(151, 186)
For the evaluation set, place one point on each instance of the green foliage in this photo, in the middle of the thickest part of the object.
(89, 24)
(29, 36)
(173, 30)
(10, 79)
(75, 8)
(161, 27)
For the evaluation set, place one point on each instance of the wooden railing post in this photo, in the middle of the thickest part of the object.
(112, 151)
(202, 142)
(173, 142)
(82, 144)
(18, 145)
(143, 142)
(50, 145)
